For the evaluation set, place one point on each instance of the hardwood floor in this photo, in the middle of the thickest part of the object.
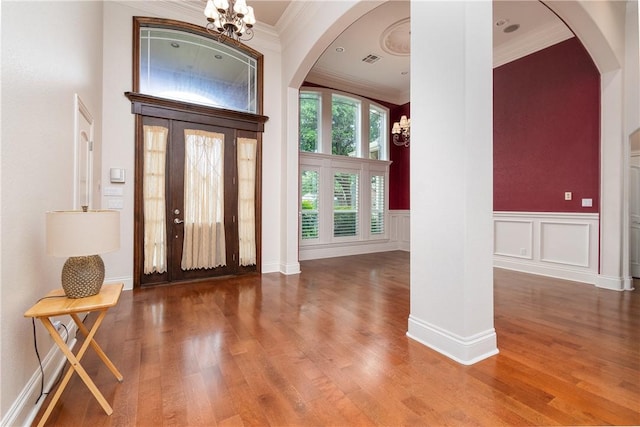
(328, 348)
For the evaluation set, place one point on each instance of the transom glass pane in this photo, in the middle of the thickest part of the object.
(191, 68)
(377, 133)
(309, 121)
(344, 126)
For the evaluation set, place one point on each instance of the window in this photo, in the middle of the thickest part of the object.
(377, 133)
(309, 204)
(309, 121)
(344, 126)
(343, 170)
(377, 204)
(181, 62)
(345, 204)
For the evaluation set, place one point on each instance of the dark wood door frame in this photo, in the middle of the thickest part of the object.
(242, 124)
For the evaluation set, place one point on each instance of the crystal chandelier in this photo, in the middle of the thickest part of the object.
(231, 19)
(402, 131)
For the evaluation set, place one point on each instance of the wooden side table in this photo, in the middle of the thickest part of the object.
(55, 303)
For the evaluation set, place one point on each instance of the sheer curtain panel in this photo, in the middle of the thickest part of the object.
(155, 232)
(247, 200)
(204, 236)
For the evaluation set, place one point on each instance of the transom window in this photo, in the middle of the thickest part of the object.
(182, 64)
(342, 125)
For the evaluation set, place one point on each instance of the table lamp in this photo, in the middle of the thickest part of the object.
(82, 236)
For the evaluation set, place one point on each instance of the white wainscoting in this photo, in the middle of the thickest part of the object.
(400, 229)
(563, 245)
(398, 239)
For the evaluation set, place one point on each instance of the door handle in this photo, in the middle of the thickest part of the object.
(177, 221)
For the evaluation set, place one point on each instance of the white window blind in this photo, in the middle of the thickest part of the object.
(345, 204)
(377, 204)
(309, 205)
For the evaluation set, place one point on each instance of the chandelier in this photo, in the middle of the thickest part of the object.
(231, 19)
(402, 131)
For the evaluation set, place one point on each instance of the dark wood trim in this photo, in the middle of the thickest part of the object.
(153, 106)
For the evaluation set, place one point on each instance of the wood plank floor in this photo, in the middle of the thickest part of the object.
(328, 348)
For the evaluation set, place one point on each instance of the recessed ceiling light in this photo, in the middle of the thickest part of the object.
(217, 56)
(511, 28)
(404, 73)
(174, 44)
(501, 22)
(339, 49)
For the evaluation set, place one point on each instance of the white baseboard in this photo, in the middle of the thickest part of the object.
(291, 268)
(331, 251)
(612, 283)
(464, 350)
(25, 408)
(126, 280)
(547, 270)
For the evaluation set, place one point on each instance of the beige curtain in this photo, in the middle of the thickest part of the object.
(204, 238)
(153, 193)
(247, 200)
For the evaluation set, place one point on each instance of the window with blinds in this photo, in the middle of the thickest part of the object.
(309, 222)
(377, 204)
(345, 204)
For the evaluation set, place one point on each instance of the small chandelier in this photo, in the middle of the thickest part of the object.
(402, 132)
(231, 19)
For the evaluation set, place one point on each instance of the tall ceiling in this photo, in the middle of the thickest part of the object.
(372, 56)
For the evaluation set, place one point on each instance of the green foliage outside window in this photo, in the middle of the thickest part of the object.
(309, 119)
(344, 119)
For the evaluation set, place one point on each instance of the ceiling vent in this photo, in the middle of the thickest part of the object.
(371, 58)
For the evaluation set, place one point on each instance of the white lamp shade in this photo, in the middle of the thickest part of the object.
(77, 233)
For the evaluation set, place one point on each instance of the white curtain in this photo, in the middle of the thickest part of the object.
(153, 193)
(204, 238)
(247, 200)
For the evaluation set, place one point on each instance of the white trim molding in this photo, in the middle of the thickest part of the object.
(465, 350)
(562, 245)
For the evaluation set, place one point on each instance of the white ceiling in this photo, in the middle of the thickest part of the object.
(388, 78)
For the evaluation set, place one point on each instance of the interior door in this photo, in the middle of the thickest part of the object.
(634, 220)
(174, 204)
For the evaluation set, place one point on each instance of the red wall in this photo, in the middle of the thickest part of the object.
(399, 169)
(546, 134)
(546, 131)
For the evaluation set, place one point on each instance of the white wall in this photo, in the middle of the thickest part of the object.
(45, 60)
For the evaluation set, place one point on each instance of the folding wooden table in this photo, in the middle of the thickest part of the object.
(55, 303)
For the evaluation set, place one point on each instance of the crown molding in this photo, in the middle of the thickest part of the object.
(361, 87)
(531, 42)
(265, 36)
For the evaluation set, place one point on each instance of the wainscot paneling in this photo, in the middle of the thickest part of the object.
(399, 234)
(400, 229)
(563, 245)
